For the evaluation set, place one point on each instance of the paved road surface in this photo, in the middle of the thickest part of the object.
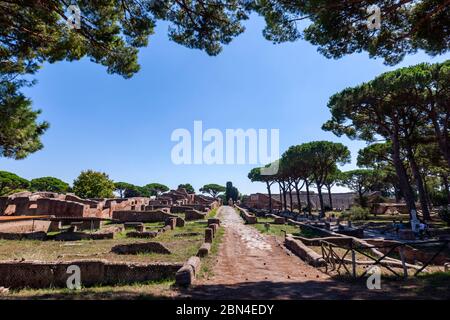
(255, 266)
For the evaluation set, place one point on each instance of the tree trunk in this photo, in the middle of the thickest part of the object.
(361, 198)
(441, 135)
(299, 204)
(283, 187)
(290, 195)
(405, 187)
(319, 191)
(419, 183)
(270, 196)
(281, 197)
(446, 188)
(397, 194)
(330, 199)
(427, 193)
(308, 198)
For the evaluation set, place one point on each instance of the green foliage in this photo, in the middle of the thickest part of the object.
(111, 33)
(340, 27)
(92, 184)
(356, 213)
(231, 192)
(121, 188)
(378, 156)
(11, 183)
(189, 188)
(128, 190)
(155, 189)
(359, 112)
(407, 107)
(444, 214)
(19, 129)
(360, 181)
(136, 191)
(212, 189)
(50, 184)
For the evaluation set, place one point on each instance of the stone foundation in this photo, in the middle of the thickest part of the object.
(204, 250)
(146, 234)
(194, 215)
(142, 216)
(186, 275)
(136, 248)
(305, 253)
(249, 218)
(39, 235)
(37, 274)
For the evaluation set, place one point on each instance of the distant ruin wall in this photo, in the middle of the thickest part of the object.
(37, 274)
(61, 208)
(142, 216)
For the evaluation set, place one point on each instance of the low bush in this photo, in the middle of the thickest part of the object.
(444, 214)
(356, 213)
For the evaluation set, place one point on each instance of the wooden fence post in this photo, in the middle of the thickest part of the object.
(353, 259)
(402, 257)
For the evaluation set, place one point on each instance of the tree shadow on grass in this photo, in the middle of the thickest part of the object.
(334, 289)
(427, 286)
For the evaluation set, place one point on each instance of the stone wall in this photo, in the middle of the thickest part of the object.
(37, 274)
(249, 218)
(61, 208)
(305, 253)
(22, 226)
(38, 235)
(137, 248)
(194, 215)
(179, 209)
(142, 216)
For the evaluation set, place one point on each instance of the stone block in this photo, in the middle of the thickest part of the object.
(209, 235)
(146, 234)
(214, 220)
(204, 250)
(136, 248)
(172, 223)
(194, 215)
(180, 222)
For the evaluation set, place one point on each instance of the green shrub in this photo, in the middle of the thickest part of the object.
(356, 213)
(444, 214)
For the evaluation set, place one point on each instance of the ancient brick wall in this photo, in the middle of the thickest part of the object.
(61, 208)
(36, 274)
(142, 216)
(24, 226)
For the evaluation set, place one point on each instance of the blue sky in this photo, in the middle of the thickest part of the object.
(123, 127)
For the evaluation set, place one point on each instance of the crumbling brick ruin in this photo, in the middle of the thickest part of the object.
(47, 204)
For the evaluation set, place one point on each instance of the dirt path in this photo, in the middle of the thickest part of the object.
(255, 266)
(247, 255)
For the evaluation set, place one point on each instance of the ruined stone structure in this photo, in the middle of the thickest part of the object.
(60, 205)
(261, 201)
(132, 209)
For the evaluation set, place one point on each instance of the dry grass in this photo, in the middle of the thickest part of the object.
(182, 247)
(152, 290)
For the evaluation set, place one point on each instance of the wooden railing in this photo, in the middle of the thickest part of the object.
(337, 261)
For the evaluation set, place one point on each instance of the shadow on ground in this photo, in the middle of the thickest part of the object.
(334, 289)
(429, 286)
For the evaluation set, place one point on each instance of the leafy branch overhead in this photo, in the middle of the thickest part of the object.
(111, 32)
